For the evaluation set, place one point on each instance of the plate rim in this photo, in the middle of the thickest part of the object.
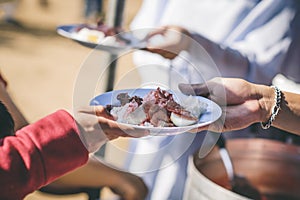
(61, 30)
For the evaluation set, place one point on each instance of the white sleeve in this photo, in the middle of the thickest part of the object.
(258, 57)
(256, 50)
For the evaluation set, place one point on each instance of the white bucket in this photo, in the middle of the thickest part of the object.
(270, 167)
(199, 187)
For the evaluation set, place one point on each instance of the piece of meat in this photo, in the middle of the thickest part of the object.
(159, 116)
(137, 99)
(123, 98)
(157, 107)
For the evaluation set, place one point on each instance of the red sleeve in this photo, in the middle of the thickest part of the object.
(38, 154)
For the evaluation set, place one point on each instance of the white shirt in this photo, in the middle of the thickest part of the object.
(251, 39)
(256, 35)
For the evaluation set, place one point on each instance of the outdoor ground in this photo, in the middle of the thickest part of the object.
(41, 66)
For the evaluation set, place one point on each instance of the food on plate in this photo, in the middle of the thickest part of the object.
(96, 33)
(157, 109)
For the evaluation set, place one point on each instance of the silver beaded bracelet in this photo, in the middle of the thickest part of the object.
(275, 109)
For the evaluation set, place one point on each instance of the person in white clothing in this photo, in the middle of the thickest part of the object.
(250, 39)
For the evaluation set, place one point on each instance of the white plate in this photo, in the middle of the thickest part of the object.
(213, 111)
(115, 48)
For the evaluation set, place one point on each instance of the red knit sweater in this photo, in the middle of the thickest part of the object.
(38, 154)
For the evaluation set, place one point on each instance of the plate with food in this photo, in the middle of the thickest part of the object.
(101, 37)
(161, 112)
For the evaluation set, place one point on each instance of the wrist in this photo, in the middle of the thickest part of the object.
(266, 102)
(187, 38)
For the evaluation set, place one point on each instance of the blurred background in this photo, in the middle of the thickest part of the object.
(40, 65)
(41, 68)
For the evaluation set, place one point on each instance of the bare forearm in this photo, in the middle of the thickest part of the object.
(288, 117)
(93, 174)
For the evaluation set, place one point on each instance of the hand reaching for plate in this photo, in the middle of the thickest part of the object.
(97, 127)
(241, 102)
